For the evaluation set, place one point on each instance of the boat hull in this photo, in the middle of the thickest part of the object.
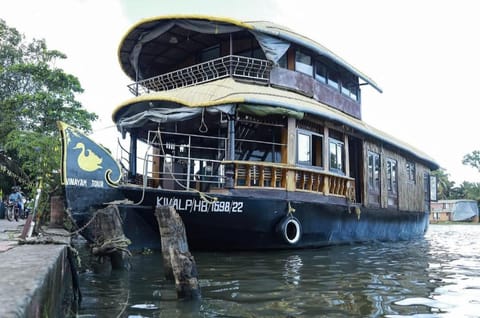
(255, 220)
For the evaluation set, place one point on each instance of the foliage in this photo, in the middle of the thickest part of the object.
(34, 95)
(467, 190)
(444, 185)
(472, 159)
(470, 190)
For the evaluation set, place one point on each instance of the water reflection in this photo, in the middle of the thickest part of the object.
(435, 277)
(454, 268)
(293, 264)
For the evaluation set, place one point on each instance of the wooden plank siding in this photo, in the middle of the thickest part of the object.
(410, 194)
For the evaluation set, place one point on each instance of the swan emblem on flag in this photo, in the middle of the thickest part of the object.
(87, 160)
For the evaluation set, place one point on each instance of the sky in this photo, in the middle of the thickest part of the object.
(423, 54)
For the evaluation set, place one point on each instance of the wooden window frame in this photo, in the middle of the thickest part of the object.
(411, 171)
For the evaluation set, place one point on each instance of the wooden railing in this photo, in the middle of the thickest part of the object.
(275, 175)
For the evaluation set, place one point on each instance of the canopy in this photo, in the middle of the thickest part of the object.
(170, 37)
(464, 210)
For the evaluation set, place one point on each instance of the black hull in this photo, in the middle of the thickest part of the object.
(252, 220)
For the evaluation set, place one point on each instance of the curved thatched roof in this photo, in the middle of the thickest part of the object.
(228, 92)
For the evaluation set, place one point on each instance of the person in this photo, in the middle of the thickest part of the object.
(16, 197)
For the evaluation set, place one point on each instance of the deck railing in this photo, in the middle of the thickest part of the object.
(276, 175)
(182, 171)
(241, 67)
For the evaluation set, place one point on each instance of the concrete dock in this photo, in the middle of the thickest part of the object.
(35, 278)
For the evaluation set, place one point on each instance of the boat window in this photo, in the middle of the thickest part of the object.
(303, 148)
(349, 91)
(309, 148)
(345, 91)
(391, 175)
(373, 171)
(320, 72)
(349, 85)
(336, 155)
(410, 171)
(303, 63)
(333, 80)
(210, 53)
(326, 72)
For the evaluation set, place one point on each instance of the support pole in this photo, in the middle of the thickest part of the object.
(231, 137)
(229, 169)
(179, 265)
(132, 159)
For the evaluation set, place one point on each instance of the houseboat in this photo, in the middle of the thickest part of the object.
(254, 134)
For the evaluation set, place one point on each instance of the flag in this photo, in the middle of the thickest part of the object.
(86, 163)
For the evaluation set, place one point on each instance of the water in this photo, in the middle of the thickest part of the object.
(435, 277)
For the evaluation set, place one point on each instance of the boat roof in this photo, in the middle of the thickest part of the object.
(138, 32)
(228, 91)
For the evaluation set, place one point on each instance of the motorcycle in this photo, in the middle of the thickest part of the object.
(13, 211)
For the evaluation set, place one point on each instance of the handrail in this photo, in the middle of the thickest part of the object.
(183, 171)
(231, 65)
(278, 175)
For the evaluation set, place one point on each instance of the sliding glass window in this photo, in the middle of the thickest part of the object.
(309, 148)
(336, 149)
(373, 171)
(303, 63)
(391, 175)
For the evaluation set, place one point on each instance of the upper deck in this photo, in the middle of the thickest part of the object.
(164, 53)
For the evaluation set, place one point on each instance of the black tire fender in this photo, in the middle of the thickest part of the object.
(290, 230)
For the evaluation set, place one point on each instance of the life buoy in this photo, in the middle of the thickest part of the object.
(290, 230)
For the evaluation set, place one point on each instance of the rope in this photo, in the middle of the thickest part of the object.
(76, 232)
(291, 210)
(351, 202)
(119, 243)
(203, 126)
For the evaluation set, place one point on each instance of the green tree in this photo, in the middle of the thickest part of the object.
(444, 185)
(34, 95)
(467, 190)
(472, 159)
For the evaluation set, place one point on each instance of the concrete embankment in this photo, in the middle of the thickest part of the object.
(35, 279)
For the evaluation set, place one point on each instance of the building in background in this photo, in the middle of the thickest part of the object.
(454, 210)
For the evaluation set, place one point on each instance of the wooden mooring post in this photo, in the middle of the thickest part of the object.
(179, 265)
(109, 240)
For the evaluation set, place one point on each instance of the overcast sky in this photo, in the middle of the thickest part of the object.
(423, 54)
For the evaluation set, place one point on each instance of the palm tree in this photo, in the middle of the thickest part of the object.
(444, 185)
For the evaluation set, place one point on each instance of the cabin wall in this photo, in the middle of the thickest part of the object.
(307, 85)
(411, 195)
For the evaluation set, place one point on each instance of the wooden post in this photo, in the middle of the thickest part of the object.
(109, 239)
(178, 263)
(57, 211)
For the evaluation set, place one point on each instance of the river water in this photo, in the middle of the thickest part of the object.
(438, 276)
